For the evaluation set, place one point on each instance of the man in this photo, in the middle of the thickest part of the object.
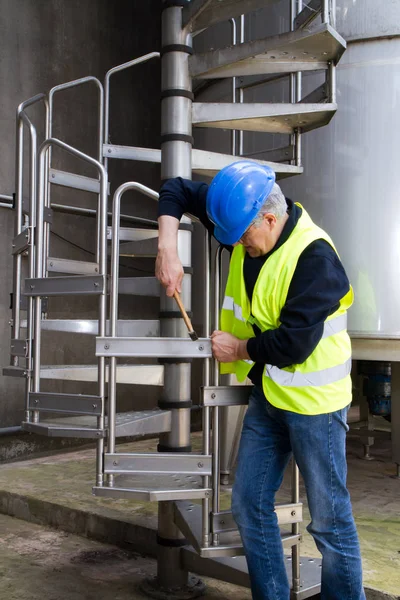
(283, 325)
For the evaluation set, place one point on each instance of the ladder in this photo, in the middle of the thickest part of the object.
(193, 530)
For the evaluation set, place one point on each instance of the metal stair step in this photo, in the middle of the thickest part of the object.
(77, 285)
(125, 328)
(133, 234)
(155, 487)
(200, 14)
(234, 570)
(74, 267)
(204, 163)
(128, 424)
(163, 347)
(188, 518)
(147, 248)
(64, 428)
(76, 182)
(272, 118)
(128, 374)
(209, 163)
(300, 50)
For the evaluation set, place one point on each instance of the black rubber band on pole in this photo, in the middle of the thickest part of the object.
(177, 137)
(170, 404)
(181, 449)
(185, 227)
(174, 314)
(176, 48)
(175, 361)
(177, 92)
(171, 542)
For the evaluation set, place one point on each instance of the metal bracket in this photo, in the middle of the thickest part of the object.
(65, 403)
(230, 395)
(19, 348)
(65, 286)
(286, 513)
(154, 347)
(157, 462)
(22, 241)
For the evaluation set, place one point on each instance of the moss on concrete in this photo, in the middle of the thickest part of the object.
(57, 491)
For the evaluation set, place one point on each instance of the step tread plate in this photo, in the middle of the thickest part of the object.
(129, 374)
(300, 50)
(155, 487)
(188, 517)
(272, 118)
(128, 424)
(209, 163)
(218, 10)
(234, 570)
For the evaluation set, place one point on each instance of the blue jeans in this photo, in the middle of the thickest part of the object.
(318, 443)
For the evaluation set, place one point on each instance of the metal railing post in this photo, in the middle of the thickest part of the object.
(216, 410)
(23, 120)
(206, 380)
(40, 273)
(56, 89)
(117, 69)
(112, 380)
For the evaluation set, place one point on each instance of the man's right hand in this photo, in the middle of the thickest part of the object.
(169, 270)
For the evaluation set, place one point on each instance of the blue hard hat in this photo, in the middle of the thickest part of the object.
(235, 196)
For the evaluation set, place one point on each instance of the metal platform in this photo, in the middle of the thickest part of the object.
(153, 488)
(300, 50)
(270, 118)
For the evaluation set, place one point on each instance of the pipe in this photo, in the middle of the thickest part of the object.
(10, 430)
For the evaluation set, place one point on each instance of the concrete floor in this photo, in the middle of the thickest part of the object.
(38, 563)
(56, 491)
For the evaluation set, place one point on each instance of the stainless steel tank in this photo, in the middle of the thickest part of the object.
(351, 178)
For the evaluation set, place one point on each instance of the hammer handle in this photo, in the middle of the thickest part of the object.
(185, 317)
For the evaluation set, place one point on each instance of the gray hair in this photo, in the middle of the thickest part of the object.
(275, 203)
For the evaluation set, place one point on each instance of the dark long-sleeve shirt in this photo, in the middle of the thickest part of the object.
(318, 284)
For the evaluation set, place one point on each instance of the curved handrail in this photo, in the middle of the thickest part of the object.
(130, 185)
(127, 65)
(76, 83)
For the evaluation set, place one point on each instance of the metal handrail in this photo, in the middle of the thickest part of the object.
(55, 90)
(112, 382)
(76, 83)
(117, 69)
(24, 121)
(102, 232)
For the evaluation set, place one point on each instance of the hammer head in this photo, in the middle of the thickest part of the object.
(193, 336)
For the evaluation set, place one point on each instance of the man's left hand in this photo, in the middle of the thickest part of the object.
(227, 347)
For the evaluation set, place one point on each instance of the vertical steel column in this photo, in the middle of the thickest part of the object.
(17, 258)
(176, 155)
(241, 91)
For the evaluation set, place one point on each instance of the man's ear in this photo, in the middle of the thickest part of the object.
(270, 219)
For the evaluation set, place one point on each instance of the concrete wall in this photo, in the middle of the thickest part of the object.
(44, 43)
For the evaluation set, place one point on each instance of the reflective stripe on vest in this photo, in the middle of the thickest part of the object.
(330, 327)
(316, 379)
(229, 304)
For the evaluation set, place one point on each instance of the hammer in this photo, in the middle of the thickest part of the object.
(193, 335)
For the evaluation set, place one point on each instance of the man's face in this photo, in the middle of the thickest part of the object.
(259, 239)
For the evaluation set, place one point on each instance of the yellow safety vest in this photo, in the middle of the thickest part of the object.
(321, 384)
